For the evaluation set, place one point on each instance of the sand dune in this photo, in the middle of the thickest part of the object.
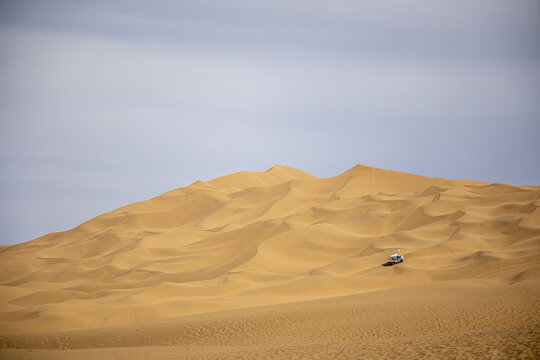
(283, 264)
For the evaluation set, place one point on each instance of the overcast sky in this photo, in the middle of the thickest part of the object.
(104, 103)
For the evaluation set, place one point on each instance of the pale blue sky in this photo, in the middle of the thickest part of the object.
(104, 103)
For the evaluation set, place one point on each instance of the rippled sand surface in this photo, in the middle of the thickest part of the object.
(281, 264)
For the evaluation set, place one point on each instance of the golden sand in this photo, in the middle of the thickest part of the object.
(281, 264)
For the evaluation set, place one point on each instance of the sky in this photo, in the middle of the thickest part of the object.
(105, 103)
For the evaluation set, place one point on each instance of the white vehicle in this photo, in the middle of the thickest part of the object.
(395, 258)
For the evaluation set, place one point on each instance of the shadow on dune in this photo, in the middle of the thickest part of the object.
(386, 264)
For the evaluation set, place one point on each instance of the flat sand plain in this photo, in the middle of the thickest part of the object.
(281, 264)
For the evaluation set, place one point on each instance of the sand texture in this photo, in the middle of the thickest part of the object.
(282, 264)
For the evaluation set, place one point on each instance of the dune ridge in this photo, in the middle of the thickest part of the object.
(273, 239)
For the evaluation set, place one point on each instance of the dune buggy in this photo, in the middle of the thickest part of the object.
(394, 259)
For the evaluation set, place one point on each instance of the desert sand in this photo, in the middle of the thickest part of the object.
(282, 264)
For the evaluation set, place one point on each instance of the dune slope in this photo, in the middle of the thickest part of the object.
(278, 238)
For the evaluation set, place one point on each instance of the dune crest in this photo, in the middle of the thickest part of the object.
(267, 238)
